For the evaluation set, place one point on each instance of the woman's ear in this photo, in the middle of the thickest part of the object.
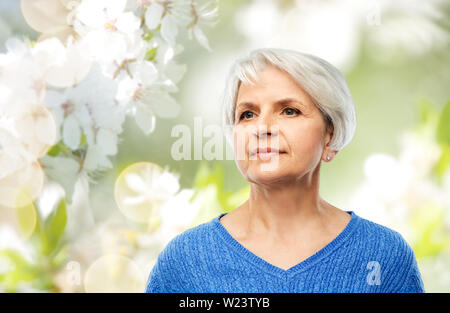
(329, 154)
(329, 134)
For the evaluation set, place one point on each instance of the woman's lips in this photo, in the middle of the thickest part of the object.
(266, 153)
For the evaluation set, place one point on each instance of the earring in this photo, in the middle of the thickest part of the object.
(328, 157)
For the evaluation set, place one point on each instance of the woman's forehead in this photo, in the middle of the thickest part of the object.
(275, 86)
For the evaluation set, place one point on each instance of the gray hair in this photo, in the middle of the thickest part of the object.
(322, 81)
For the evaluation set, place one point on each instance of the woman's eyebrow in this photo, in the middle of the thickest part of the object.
(287, 101)
(246, 104)
(283, 102)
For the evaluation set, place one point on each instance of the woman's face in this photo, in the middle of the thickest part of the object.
(277, 113)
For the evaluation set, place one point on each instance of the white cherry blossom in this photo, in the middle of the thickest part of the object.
(64, 97)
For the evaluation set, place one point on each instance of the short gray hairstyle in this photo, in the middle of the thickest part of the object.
(322, 81)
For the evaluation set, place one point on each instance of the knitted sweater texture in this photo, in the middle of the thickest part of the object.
(364, 257)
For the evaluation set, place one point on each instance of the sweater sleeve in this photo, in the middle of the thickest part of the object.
(413, 281)
(165, 276)
(409, 279)
(155, 283)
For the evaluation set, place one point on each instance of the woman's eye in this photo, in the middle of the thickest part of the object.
(246, 114)
(249, 114)
(291, 111)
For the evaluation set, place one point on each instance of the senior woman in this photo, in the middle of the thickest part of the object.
(285, 113)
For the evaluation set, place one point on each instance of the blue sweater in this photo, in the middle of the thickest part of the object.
(364, 257)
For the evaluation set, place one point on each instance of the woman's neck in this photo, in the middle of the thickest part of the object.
(287, 208)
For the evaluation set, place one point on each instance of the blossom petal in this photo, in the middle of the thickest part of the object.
(145, 119)
(114, 8)
(128, 22)
(96, 159)
(153, 15)
(169, 29)
(71, 132)
(201, 38)
(107, 141)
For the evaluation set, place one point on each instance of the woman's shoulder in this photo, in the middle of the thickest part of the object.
(394, 256)
(191, 240)
(183, 254)
(376, 230)
(385, 240)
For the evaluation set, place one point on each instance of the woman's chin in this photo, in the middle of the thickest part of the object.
(264, 173)
(267, 165)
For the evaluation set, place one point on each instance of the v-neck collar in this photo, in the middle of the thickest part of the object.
(278, 271)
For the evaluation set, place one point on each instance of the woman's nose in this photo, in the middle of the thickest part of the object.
(266, 126)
